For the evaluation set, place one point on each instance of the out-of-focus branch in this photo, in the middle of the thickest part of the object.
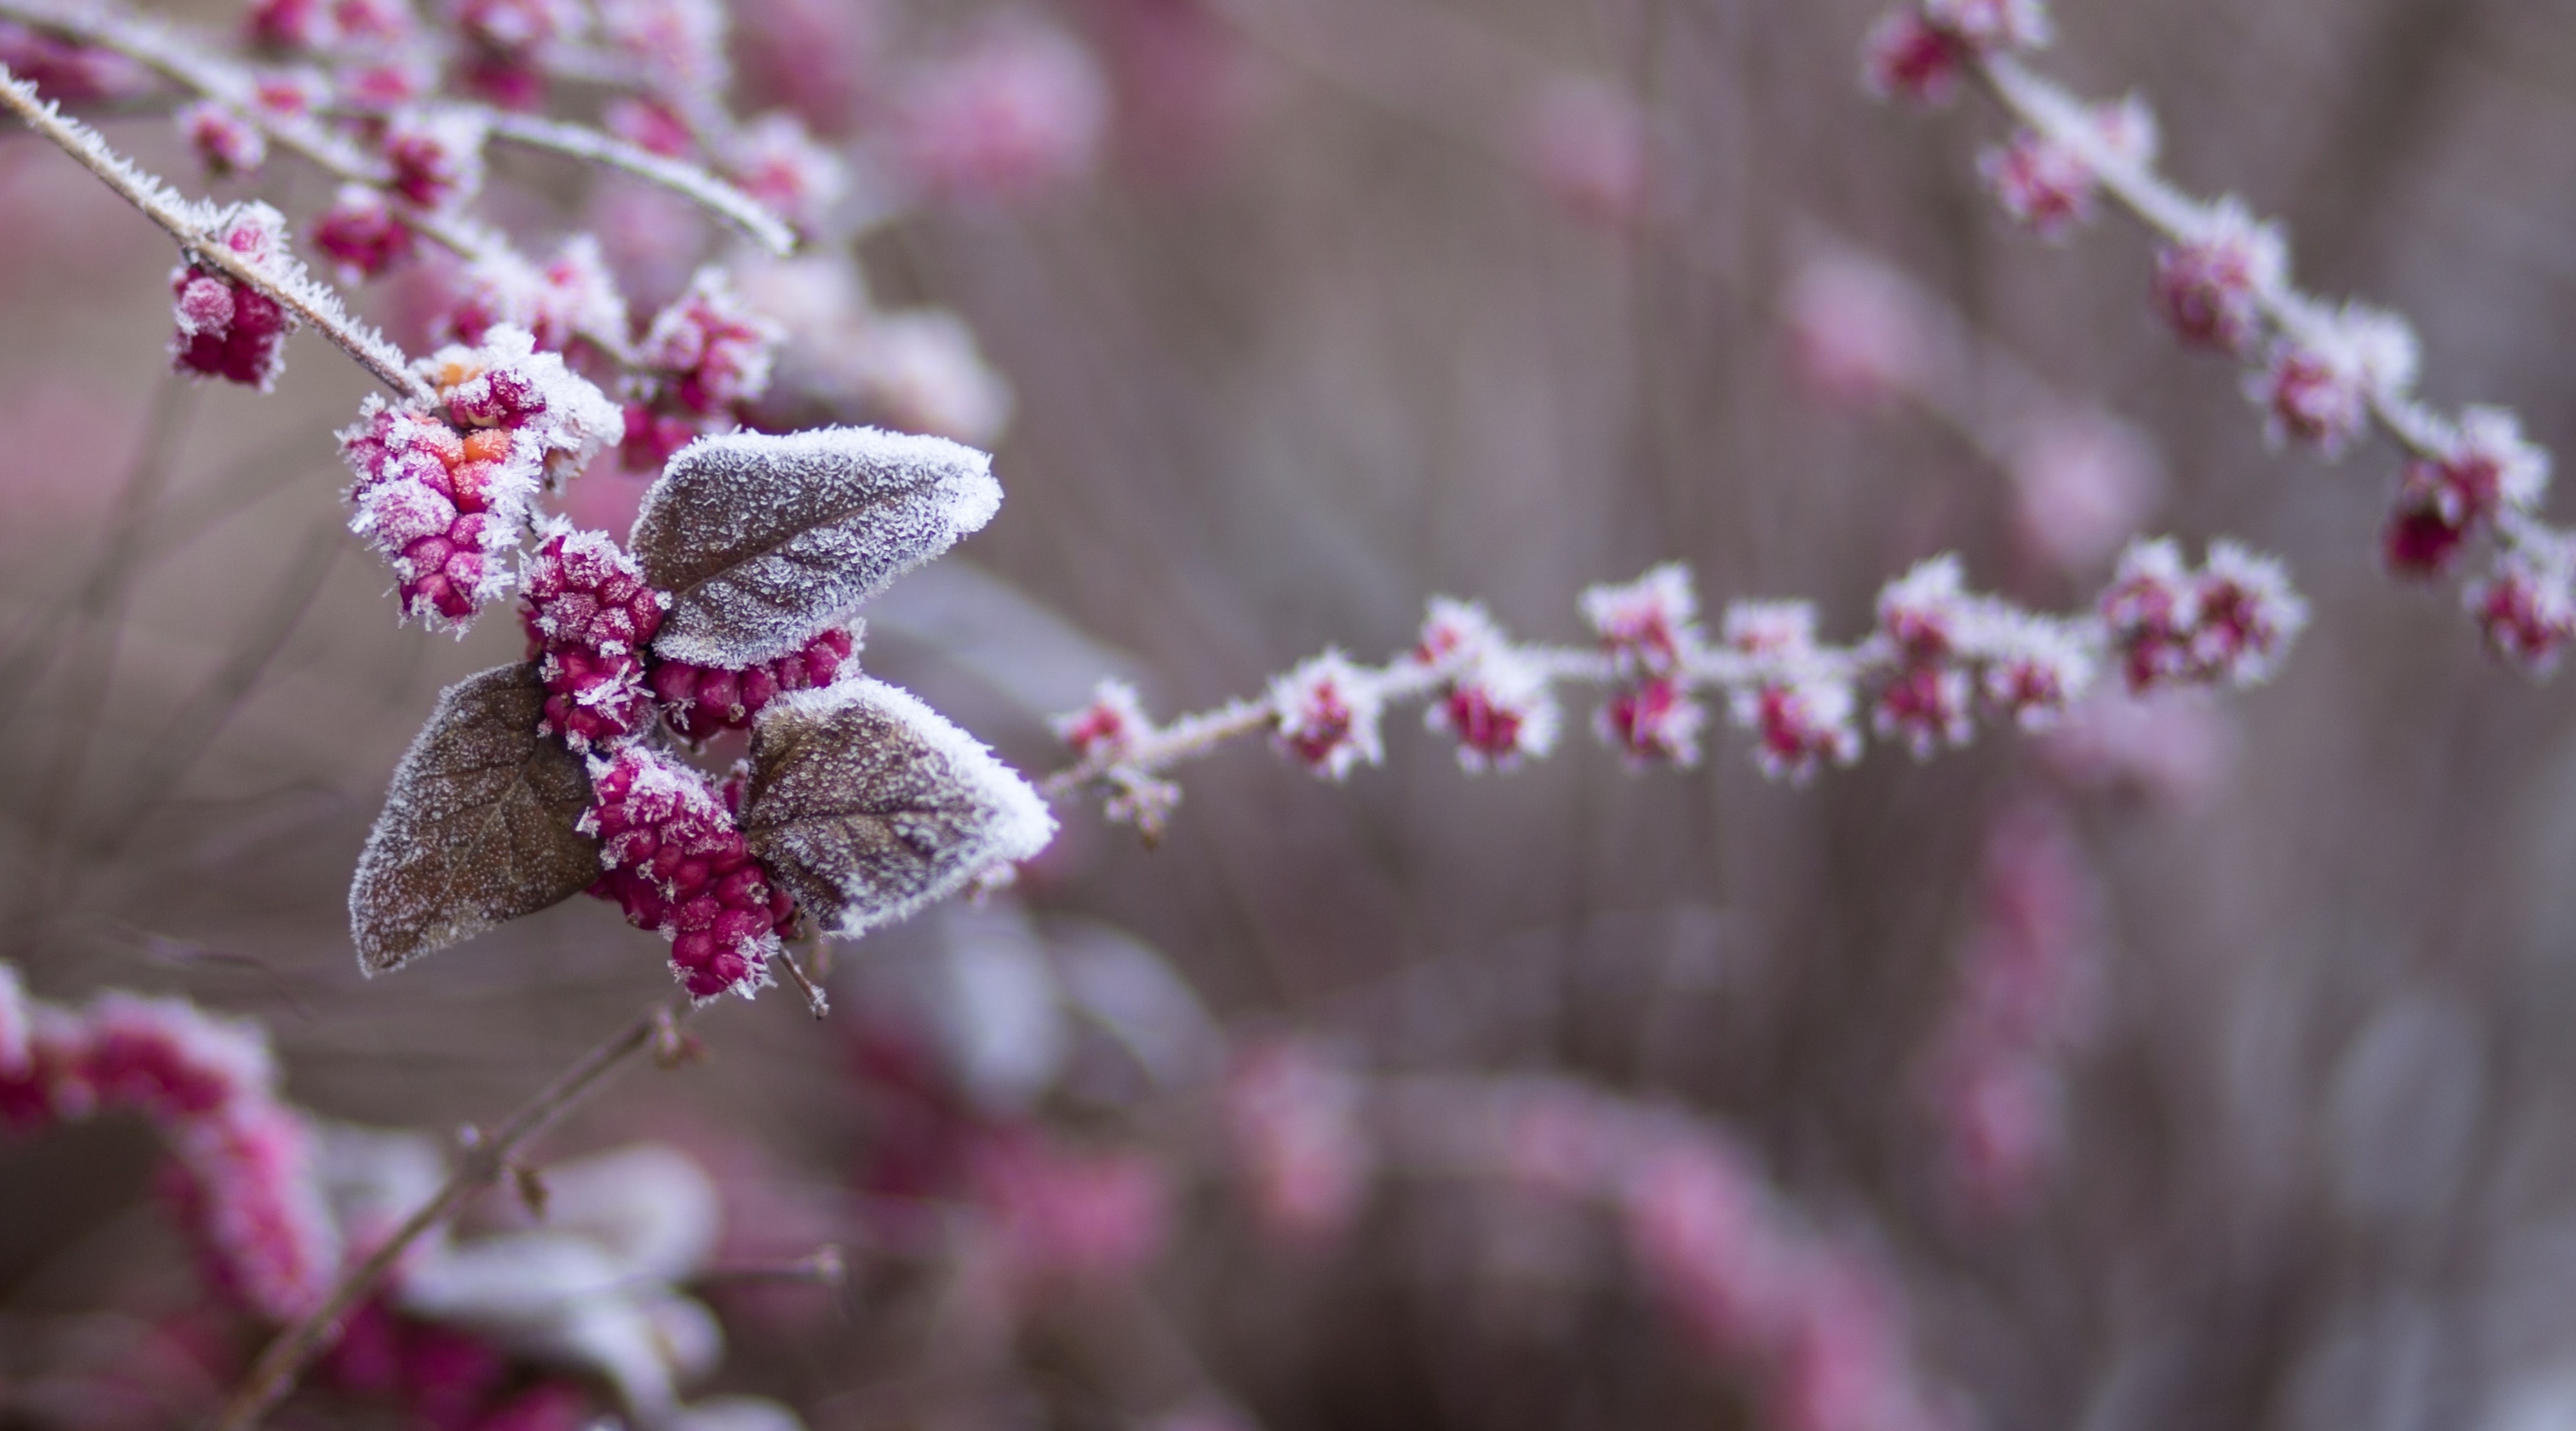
(480, 1163)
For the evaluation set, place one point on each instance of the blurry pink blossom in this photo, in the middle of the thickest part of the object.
(1585, 142)
(1014, 110)
(2082, 483)
(1859, 331)
(1293, 1121)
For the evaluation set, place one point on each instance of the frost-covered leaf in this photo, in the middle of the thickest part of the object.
(478, 828)
(765, 541)
(867, 804)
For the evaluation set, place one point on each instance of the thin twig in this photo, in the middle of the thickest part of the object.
(689, 181)
(194, 226)
(479, 1164)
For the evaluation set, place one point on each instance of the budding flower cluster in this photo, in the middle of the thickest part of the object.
(1324, 715)
(361, 233)
(1645, 627)
(2049, 182)
(1493, 698)
(573, 296)
(2228, 622)
(436, 155)
(1920, 52)
(226, 328)
(677, 865)
(2319, 388)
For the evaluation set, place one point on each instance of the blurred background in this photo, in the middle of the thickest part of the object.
(2200, 1063)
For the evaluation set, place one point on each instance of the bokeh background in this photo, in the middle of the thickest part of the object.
(1342, 306)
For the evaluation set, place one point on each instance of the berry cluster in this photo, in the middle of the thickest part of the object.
(699, 701)
(2228, 622)
(445, 491)
(677, 865)
(704, 356)
(589, 617)
(227, 328)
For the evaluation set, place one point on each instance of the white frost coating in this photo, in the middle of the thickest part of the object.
(767, 540)
(1015, 825)
(17, 1025)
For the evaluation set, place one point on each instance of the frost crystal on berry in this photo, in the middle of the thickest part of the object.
(2526, 605)
(573, 296)
(1651, 722)
(2210, 287)
(2048, 184)
(589, 616)
(715, 349)
(2035, 668)
(1648, 623)
(436, 154)
(230, 144)
(2486, 467)
(776, 161)
(2151, 608)
(2248, 616)
(676, 864)
(360, 233)
(1907, 57)
(698, 701)
(1325, 715)
(2320, 390)
(1105, 729)
(227, 329)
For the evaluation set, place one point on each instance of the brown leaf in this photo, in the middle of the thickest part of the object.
(866, 804)
(478, 828)
(765, 541)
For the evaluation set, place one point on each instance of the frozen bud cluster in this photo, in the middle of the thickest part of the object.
(676, 864)
(436, 155)
(445, 493)
(224, 138)
(1324, 715)
(589, 616)
(699, 701)
(1492, 698)
(1645, 627)
(2319, 389)
(2049, 183)
(2211, 285)
(572, 296)
(711, 348)
(776, 161)
(2231, 621)
(227, 329)
(2486, 468)
(1801, 714)
(1106, 729)
(361, 234)
(2527, 604)
(1918, 52)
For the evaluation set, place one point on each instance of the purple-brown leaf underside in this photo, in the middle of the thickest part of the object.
(765, 541)
(478, 827)
(866, 804)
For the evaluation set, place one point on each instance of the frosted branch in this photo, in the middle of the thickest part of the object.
(689, 181)
(1938, 657)
(193, 224)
